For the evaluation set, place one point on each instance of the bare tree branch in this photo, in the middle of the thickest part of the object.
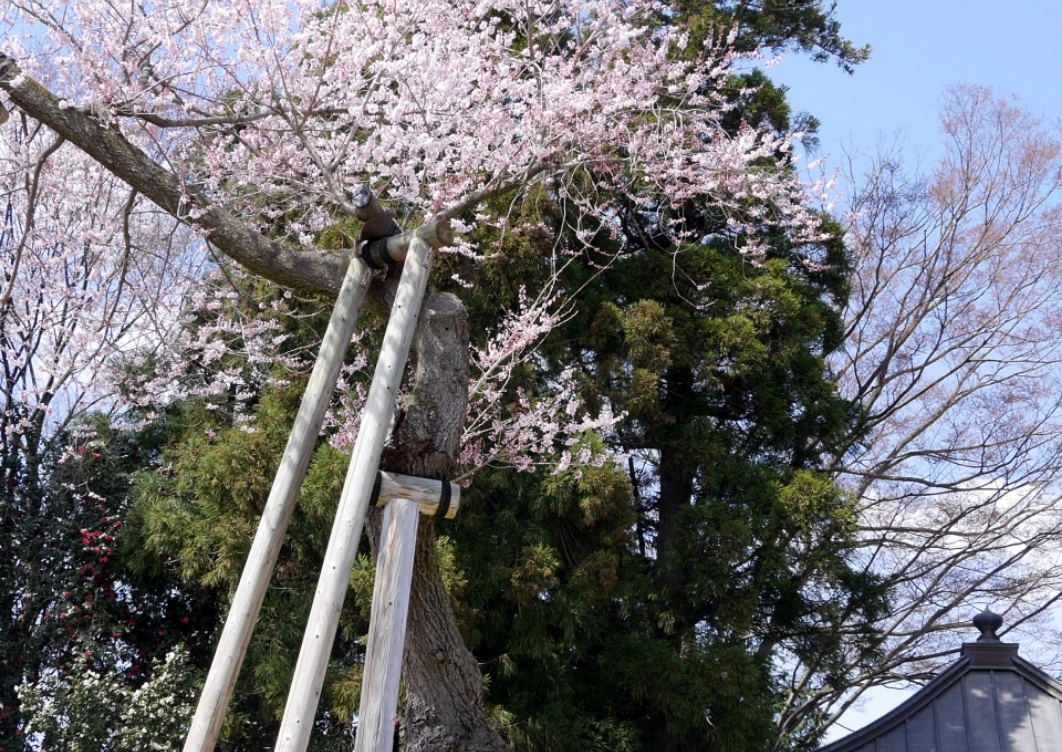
(306, 270)
(954, 352)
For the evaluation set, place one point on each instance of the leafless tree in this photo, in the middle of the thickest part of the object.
(954, 353)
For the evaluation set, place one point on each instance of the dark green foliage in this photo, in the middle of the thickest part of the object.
(808, 26)
(654, 622)
(562, 613)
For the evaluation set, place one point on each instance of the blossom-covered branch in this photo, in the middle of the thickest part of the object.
(534, 429)
(436, 105)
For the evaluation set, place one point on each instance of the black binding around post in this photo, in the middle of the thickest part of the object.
(372, 240)
(436, 498)
(444, 500)
(374, 498)
(375, 253)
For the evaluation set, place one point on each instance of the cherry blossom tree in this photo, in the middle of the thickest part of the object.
(86, 272)
(270, 116)
(255, 125)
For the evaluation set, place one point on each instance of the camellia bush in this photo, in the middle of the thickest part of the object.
(87, 711)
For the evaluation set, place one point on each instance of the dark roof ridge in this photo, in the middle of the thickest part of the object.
(908, 707)
(1037, 676)
(970, 662)
(988, 670)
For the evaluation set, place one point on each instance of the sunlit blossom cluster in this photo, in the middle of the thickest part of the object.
(283, 107)
(279, 109)
(220, 352)
(529, 430)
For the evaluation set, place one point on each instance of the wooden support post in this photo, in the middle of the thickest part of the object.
(380, 253)
(387, 628)
(404, 498)
(254, 580)
(429, 495)
(297, 723)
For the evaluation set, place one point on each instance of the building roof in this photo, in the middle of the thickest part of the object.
(990, 700)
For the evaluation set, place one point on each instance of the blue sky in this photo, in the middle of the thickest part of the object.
(919, 48)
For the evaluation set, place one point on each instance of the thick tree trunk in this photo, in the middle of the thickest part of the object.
(676, 490)
(443, 711)
(675, 478)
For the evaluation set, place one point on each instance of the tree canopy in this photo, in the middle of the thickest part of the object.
(611, 156)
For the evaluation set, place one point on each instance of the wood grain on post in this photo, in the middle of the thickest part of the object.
(297, 723)
(387, 628)
(254, 580)
(380, 253)
(424, 492)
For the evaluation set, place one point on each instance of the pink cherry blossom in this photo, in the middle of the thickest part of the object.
(279, 110)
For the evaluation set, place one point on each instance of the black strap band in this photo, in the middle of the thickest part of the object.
(374, 250)
(375, 497)
(444, 499)
(375, 254)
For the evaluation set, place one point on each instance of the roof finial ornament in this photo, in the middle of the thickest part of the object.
(987, 622)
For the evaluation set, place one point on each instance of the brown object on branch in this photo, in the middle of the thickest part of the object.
(374, 232)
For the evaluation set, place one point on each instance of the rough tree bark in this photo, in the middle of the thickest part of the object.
(443, 711)
(675, 478)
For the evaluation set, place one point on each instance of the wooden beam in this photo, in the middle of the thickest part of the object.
(254, 580)
(297, 723)
(379, 253)
(387, 628)
(426, 493)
